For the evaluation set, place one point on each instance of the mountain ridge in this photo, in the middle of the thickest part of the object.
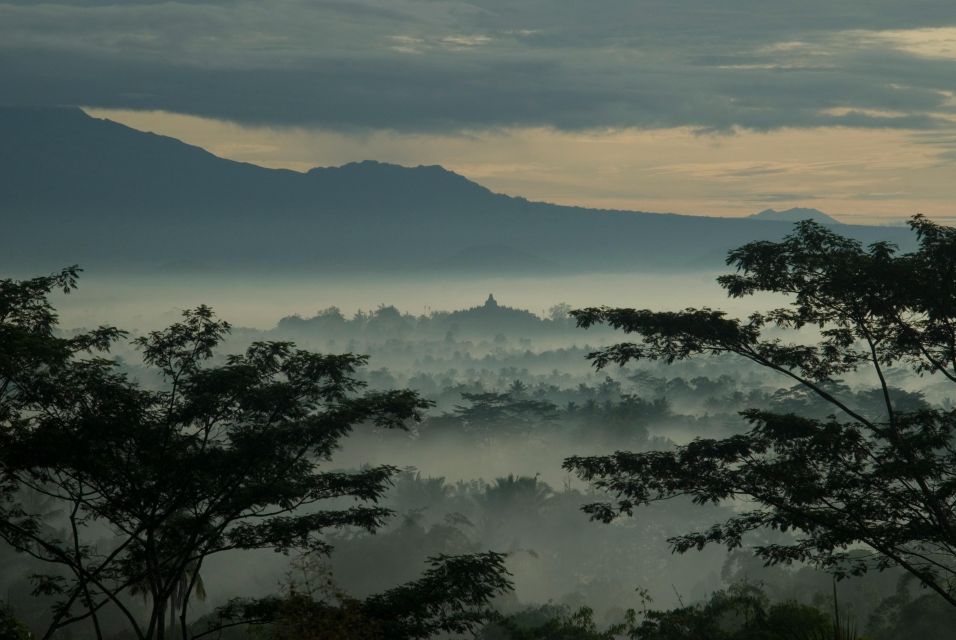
(92, 191)
(796, 214)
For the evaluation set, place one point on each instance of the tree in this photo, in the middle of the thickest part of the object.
(742, 612)
(189, 580)
(491, 412)
(450, 597)
(10, 627)
(551, 622)
(227, 455)
(884, 480)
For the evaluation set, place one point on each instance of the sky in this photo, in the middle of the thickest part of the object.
(692, 106)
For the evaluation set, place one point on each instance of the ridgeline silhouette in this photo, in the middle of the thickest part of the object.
(106, 195)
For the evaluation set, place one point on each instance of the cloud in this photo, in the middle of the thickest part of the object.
(933, 42)
(445, 66)
(464, 41)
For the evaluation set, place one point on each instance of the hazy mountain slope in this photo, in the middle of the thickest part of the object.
(79, 189)
(795, 214)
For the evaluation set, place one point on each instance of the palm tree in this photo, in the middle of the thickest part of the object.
(177, 598)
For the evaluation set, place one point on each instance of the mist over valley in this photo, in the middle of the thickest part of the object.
(534, 320)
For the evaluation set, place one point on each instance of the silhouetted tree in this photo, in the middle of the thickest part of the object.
(450, 598)
(225, 456)
(885, 478)
(490, 412)
(742, 612)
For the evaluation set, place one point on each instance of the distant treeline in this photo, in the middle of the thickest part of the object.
(490, 318)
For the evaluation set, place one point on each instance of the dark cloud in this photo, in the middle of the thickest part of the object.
(445, 66)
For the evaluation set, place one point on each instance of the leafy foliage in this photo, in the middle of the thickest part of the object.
(451, 597)
(882, 479)
(552, 623)
(739, 613)
(10, 627)
(225, 456)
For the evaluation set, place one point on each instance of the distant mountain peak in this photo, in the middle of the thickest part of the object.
(386, 168)
(375, 165)
(432, 179)
(795, 214)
